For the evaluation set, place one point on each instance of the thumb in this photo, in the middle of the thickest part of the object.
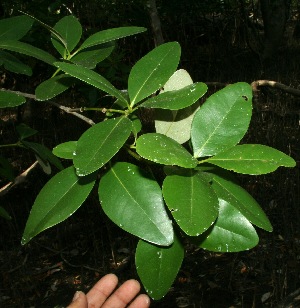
(79, 300)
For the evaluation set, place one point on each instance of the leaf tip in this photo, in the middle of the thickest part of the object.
(25, 240)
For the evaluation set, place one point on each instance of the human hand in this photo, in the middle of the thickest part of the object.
(103, 295)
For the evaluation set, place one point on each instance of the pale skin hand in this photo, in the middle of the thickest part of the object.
(103, 295)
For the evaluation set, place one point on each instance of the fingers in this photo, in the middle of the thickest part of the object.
(79, 301)
(123, 295)
(142, 301)
(102, 290)
(103, 295)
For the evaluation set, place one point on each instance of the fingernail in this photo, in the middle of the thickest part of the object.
(76, 296)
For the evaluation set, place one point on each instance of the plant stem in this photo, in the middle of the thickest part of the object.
(133, 154)
(103, 110)
(17, 144)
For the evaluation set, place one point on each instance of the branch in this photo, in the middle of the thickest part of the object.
(32, 96)
(274, 84)
(76, 114)
(18, 180)
(260, 83)
(64, 108)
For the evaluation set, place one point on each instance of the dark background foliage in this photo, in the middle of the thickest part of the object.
(222, 42)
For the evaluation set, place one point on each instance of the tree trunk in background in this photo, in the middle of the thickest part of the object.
(155, 23)
(275, 14)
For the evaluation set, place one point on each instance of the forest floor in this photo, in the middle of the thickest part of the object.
(75, 254)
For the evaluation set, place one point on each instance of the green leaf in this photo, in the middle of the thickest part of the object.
(6, 169)
(239, 198)
(52, 30)
(177, 99)
(70, 30)
(222, 121)
(192, 201)
(57, 201)
(90, 57)
(158, 267)
(164, 150)
(25, 131)
(9, 99)
(4, 214)
(13, 64)
(133, 200)
(53, 86)
(176, 124)
(100, 143)
(232, 232)
(109, 35)
(14, 28)
(91, 78)
(136, 125)
(44, 153)
(65, 150)
(121, 104)
(152, 71)
(28, 50)
(252, 159)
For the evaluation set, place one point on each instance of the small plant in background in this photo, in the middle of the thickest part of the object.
(194, 196)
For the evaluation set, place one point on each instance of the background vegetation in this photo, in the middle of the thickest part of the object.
(222, 42)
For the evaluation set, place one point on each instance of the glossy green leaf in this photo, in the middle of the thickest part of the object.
(252, 159)
(100, 143)
(44, 153)
(6, 169)
(176, 124)
(90, 57)
(52, 30)
(13, 64)
(158, 267)
(177, 99)
(28, 50)
(57, 201)
(222, 121)
(53, 87)
(132, 199)
(9, 99)
(70, 30)
(91, 78)
(164, 150)
(241, 200)
(109, 35)
(25, 131)
(232, 232)
(14, 28)
(65, 150)
(4, 214)
(152, 71)
(192, 201)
